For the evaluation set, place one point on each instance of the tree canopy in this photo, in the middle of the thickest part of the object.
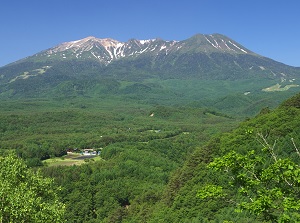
(25, 196)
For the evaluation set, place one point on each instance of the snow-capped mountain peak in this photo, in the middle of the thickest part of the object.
(85, 43)
(107, 50)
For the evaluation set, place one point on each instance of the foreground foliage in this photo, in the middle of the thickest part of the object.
(265, 171)
(25, 196)
(269, 184)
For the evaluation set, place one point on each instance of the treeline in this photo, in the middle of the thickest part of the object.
(35, 154)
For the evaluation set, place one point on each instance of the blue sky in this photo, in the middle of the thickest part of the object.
(270, 28)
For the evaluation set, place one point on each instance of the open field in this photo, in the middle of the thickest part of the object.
(70, 159)
(277, 87)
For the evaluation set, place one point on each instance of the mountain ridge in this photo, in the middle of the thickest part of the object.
(114, 49)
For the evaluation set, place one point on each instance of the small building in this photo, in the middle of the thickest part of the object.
(89, 152)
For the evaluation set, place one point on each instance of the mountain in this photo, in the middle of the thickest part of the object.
(201, 56)
(214, 63)
(108, 50)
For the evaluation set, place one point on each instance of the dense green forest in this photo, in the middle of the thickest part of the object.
(159, 163)
(281, 126)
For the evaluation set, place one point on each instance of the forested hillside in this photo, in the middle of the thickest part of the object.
(267, 146)
(159, 163)
(140, 145)
(154, 182)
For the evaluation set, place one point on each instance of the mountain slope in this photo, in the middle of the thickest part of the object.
(204, 68)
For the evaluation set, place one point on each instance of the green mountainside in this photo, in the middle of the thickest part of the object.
(206, 70)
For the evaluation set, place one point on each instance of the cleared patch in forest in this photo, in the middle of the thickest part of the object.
(277, 87)
(70, 159)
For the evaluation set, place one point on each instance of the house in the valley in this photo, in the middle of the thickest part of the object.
(88, 152)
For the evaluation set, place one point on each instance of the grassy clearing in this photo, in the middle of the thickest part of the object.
(69, 160)
(277, 87)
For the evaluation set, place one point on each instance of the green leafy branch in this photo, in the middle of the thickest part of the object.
(268, 183)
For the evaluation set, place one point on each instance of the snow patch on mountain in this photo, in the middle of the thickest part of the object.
(146, 41)
(244, 51)
(210, 42)
(32, 73)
